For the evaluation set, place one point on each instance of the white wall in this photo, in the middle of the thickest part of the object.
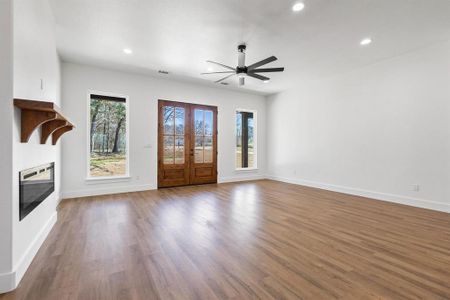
(376, 131)
(35, 58)
(6, 112)
(144, 92)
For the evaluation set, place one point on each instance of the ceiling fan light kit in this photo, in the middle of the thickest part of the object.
(242, 71)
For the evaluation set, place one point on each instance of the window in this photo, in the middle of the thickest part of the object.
(108, 142)
(245, 139)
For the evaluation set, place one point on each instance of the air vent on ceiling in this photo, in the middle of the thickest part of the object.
(163, 72)
(224, 83)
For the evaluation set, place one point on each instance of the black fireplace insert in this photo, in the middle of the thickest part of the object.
(36, 184)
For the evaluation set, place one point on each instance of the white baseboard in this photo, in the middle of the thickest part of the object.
(106, 191)
(247, 177)
(9, 281)
(422, 203)
(139, 188)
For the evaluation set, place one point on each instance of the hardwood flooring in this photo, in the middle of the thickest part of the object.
(252, 240)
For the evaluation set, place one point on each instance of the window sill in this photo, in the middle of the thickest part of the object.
(246, 169)
(112, 179)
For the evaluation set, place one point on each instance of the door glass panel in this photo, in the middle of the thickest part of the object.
(169, 149)
(208, 153)
(179, 150)
(174, 122)
(168, 115)
(203, 123)
(179, 121)
(198, 154)
(198, 122)
(208, 122)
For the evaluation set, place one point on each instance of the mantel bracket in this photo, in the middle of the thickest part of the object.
(59, 132)
(31, 119)
(49, 127)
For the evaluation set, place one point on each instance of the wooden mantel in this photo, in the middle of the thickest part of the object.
(41, 113)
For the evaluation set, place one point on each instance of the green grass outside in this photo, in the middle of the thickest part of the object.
(108, 164)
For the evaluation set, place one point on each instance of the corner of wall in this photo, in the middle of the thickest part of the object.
(9, 281)
(380, 131)
(6, 117)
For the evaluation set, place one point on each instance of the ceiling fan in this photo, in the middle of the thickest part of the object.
(242, 70)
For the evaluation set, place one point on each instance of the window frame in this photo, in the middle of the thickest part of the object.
(255, 139)
(127, 175)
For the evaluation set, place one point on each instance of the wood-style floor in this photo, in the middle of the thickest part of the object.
(253, 240)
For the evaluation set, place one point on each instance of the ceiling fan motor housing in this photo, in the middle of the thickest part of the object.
(240, 70)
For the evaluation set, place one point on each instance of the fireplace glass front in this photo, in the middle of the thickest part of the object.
(36, 184)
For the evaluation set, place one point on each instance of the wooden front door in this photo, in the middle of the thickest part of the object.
(187, 144)
(174, 142)
(204, 144)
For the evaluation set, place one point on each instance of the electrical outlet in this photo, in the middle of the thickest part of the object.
(416, 187)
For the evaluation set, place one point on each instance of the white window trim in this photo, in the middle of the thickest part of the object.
(126, 176)
(255, 140)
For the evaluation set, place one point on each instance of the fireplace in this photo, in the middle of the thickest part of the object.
(35, 185)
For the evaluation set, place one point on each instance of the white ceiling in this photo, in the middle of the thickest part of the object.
(179, 36)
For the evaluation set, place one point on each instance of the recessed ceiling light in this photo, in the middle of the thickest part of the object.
(266, 81)
(298, 6)
(127, 51)
(365, 42)
(210, 69)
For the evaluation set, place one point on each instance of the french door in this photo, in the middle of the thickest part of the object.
(187, 144)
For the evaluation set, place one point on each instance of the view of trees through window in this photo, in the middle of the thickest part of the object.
(203, 122)
(245, 147)
(174, 120)
(107, 136)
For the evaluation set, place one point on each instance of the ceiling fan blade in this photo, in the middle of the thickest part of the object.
(241, 81)
(222, 79)
(224, 72)
(267, 70)
(222, 65)
(262, 62)
(260, 77)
